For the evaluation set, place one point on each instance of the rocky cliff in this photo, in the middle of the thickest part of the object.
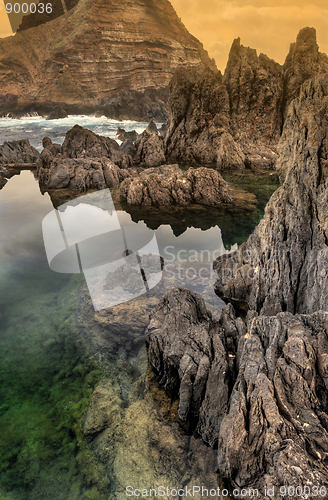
(283, 265)
(98, 56)
(235, 120)
(260, 394)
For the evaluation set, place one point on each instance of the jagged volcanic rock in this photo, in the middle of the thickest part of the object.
(236, 121)
(18, 152)
(168, 185)
(262, 394)
(3, 181)
(254, 85)
(188, 349)
(303, 61)
(84, 161)
(94, 54)
(283, 265)
(150, 152)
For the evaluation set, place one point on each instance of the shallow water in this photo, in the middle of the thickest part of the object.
(46, 324)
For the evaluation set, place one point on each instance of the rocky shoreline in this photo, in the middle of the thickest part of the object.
(255, 390)
(259, 390)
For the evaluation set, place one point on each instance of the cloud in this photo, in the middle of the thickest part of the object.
(266, 25)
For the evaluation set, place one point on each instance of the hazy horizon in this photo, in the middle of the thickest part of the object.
(269, 26)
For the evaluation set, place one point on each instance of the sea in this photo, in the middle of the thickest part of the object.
(55, 349)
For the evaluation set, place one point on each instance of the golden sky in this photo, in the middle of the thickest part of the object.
(266, 25)
(269, 26)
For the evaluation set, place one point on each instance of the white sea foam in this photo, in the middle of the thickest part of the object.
(35, 127)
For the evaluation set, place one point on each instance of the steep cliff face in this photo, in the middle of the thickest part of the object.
(254, 85)
(96, 51)
(303, 61)
(235, 121)
(283, 265)
(260, 394)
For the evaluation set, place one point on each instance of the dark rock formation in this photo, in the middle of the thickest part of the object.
(283, 265)
(133, 105)
(303, 61)
(123, 135)
(116, 58)
(275, 433)
(82, 143)
(236, 121)
(262, 394)
(188, 349)
(168, 185)
(84, 161)
(3, 181)
(199, 115)
(18, 152)
(254, 85)
(150, 152)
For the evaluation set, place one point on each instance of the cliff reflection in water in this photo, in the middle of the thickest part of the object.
(55, 349)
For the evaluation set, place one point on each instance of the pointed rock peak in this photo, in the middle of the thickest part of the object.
(239, 52)
(307, 36)
(306, 44)
(235, 47)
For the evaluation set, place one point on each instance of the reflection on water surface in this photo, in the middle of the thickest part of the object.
(55, 349)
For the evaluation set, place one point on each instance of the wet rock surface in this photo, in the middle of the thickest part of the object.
(18, 152)
(168, 185)
(282, 266)
(260, 394)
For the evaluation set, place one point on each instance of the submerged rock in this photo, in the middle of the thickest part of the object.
(283, 265)
(18, 152)
(168, 185)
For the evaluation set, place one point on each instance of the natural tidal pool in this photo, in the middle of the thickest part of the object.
(55, 349)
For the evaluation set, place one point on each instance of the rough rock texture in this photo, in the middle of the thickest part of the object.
(283, 265)
(199, 115)
(275, 433)
(82, 143)
(254, 85)
(190, 351)
(150, 152)
(3, 181)
(303, 61)
(116, 57)
(168, 185)
(262, 394)
(18, 152)
(84, 161)
(235, 121)
(103, 411)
